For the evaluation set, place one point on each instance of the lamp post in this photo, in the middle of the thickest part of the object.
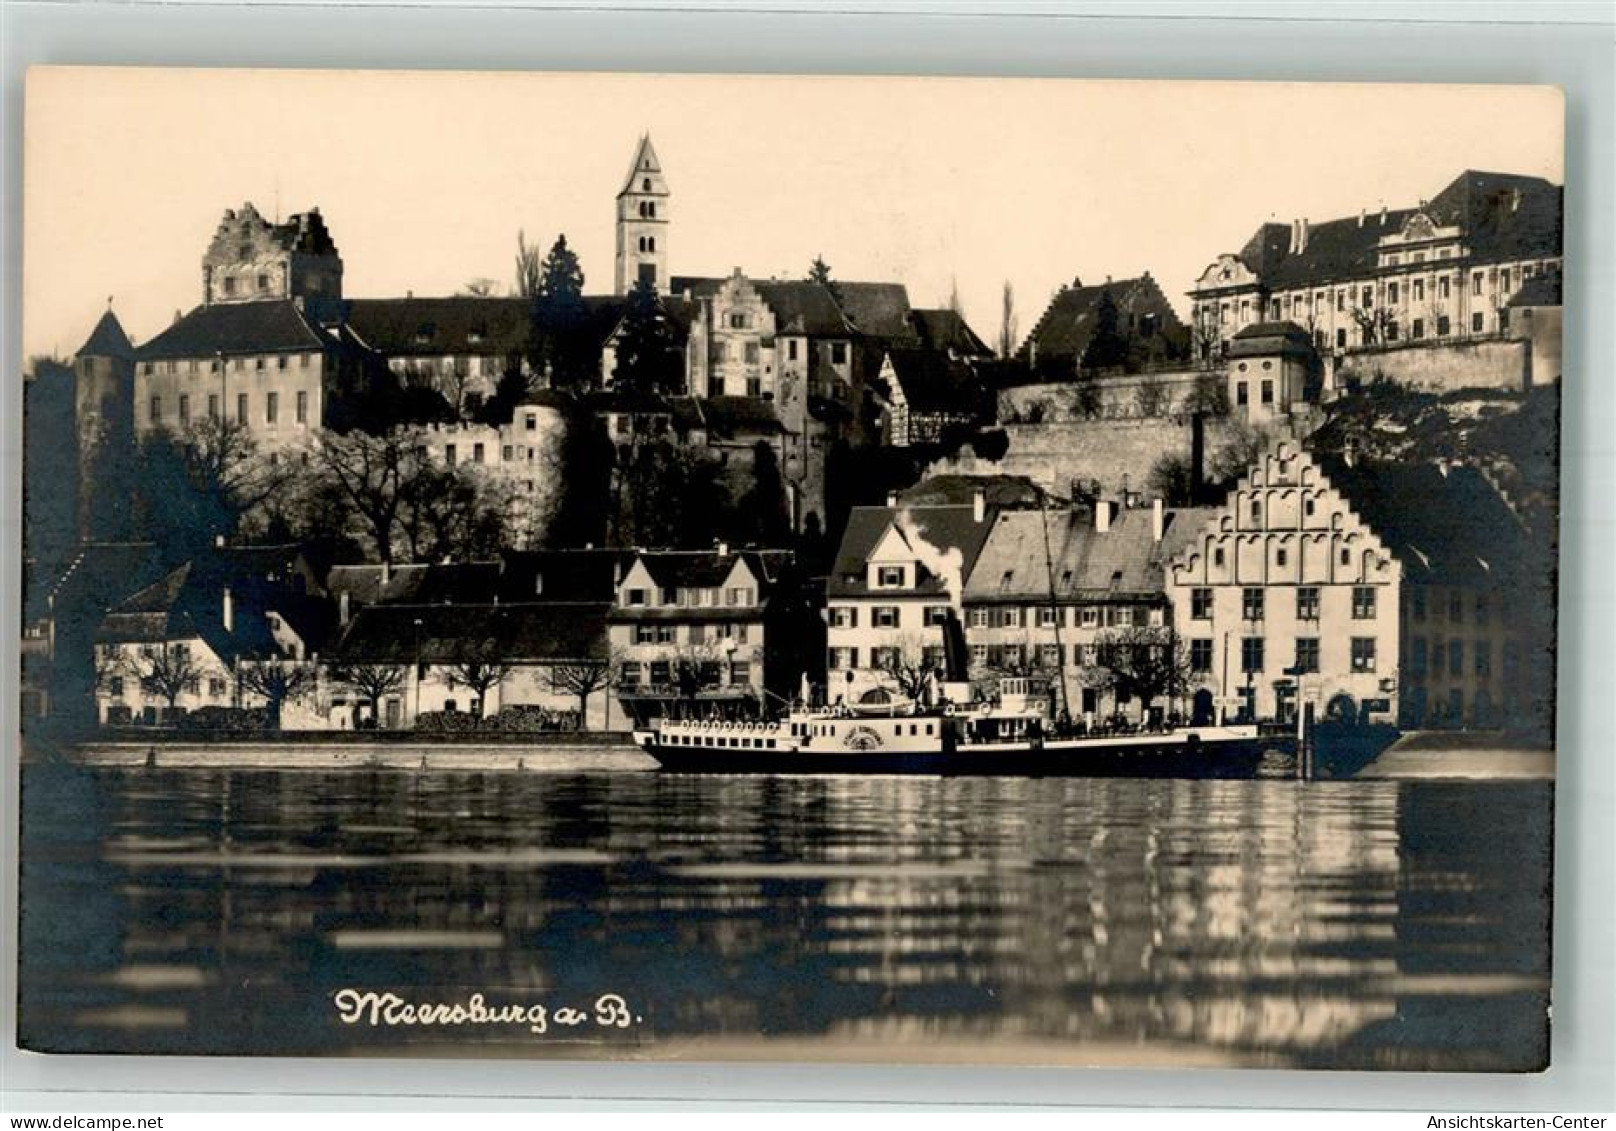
(416, 714)
(1304, 768)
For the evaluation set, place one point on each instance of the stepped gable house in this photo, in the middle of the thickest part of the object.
(267, 347)
(1446, 268)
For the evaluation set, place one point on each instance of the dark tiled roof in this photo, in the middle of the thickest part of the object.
(1009, 491)
(457, 583)
(731, 417)
(461, 325)
(1451, 528)
(1123, 563)
(543, 576)
(270, 326)
(947, 330)
(878, 310)
(107, 340)
(704, 569)
(100, 575)
(1269, 338)
(518, 633)
(1539, 290)
(1072, 317)
(189, 602)
(945, 528)
(1504, 217)
(934, 382)
(803, 308)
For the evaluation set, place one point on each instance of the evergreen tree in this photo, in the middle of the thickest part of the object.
(560, 321)
(647, 355)
(819, 272)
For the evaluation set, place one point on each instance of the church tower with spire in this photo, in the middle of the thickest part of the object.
(642, 223)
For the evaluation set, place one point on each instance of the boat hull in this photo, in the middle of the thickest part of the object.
(1137, 756)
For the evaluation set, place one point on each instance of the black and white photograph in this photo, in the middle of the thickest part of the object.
(769, 568)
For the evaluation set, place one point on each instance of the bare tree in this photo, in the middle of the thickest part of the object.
(371, 681)
(1007, 321)
(369, 472)
(279, 681)
(479, 675)
(1374, 324)
(480, 287)
(583, 677)
(1143, 662)
(529, 267)
(908, 665)
(221, 454)
(168, 671)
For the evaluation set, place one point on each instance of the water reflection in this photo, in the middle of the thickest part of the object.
(1373, 924)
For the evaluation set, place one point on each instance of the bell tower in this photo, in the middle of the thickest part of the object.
(642, 223)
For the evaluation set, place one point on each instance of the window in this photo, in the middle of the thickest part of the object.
(1267, 391)
(1217, 557)
(1475, 282)
(450, 455)
(1443, 325)
(738, 321)
(1444, 287)
(303, 360)
(740, 673)
(1391, 291)
(1368, 297)
(634, 597)
(644, 634)
(1273, 309)
(1307, 653)
(1200, 656)
(263, 282)
(213, 406)
(476, 453)
(185, 409)
(506, 452)
(156, 410)
(1088, 617)
(1340, 339)
(838, 353)
(1010, 618)
(1241, 393)
(1478, 322)
(889, 577)
(1391, 329)
(1255, 510)
(1307, 602)
(1363, 602)
(979, 618)
(1251, 604)
(1419, 290)
(884, 616)
(272, 407)
(1503, 280)
(936, 614)
(241, 408)
(1503, 318)
(115, 686)
(1456, 656)
(280, 361)
(1341, 302)
(258, 363)
(302, 408)
(1483, 658)
(1201, 604)
(979, 654)
(1046, 617)
(1251, 654)
(1417, 331)
(1363, 653)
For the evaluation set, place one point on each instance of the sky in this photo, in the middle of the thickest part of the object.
(425, 178)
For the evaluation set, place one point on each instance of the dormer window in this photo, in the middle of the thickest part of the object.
(889, 577)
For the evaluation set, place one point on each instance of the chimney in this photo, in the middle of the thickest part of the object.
(1442, 467)
(1301, 228)
(342, 607)
(1349, 452)
(979, 504)
(538, 584)
(1102, 515)
(1363, 214)
(617, 573)
(1382, 215)
(387, 572)
(723, 549)
(228, 612)
(218, 541)
(892, 499)
(1158, 520)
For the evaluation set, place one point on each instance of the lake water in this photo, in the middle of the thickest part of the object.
(1331, 924)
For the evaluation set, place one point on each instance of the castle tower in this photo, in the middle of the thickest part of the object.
(103, 414)
(642, 223)
(252, 259)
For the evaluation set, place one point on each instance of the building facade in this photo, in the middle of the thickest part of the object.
(1287, 593)
(251, 259)
(1446, 269)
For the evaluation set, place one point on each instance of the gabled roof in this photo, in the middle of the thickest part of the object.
(456, 583)
(1504, 216)
(803, 308)
(100, 575)
(705, 569)
(231, 328)
(945, 528)
(877, 310)
(645, 161)
(1446, 528)
(107, 340)
(459, 325)
(188, 603)
(947, 330)
(548, 576)
(1270, 338)
(519, 633)
(1072, 317)
(1125, 563)
(932, 381)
